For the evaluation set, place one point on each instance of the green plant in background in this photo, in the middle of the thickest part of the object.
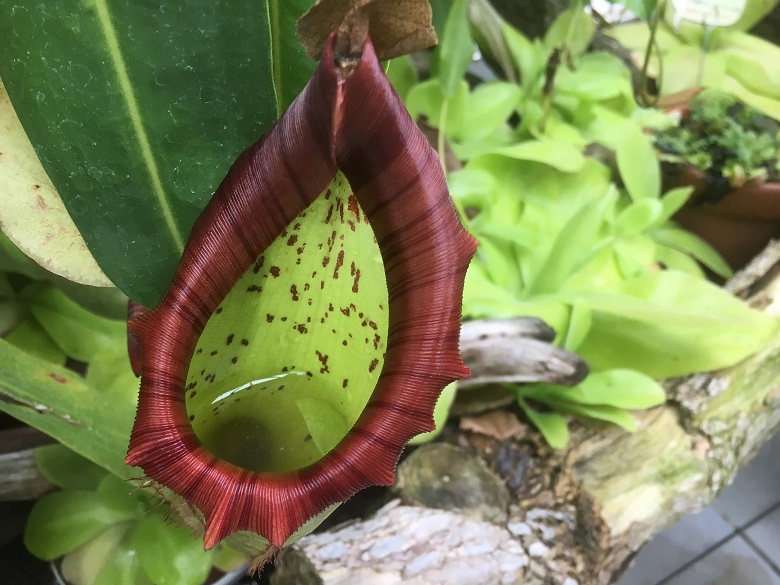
(592, 251)
(564, 95)
(106, 537)
(688, 55)
(724, 137)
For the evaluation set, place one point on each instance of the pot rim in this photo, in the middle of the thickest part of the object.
(225, 579)
(749, 201)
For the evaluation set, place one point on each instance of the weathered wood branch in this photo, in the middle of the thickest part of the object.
(573, 517)
(516, 350)
(19, 476)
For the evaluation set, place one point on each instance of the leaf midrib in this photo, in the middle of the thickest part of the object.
(276, 54)
(136, 118)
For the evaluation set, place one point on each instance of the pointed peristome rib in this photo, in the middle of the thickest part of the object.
(356, 123)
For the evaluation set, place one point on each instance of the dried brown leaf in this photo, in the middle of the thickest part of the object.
(500, 424)
(396, 27)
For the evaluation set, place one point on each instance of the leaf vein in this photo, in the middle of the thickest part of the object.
(136, 118)
(276, 53)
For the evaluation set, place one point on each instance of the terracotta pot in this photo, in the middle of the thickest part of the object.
(738, 226)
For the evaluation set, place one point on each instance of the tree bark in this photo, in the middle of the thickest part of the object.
(574, 517)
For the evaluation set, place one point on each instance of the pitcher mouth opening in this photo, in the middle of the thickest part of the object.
(289, 359)
(399, 183)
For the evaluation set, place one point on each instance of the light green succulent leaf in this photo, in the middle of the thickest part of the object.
(624, 389)
(488, 107)
(79, 333)
(169, 554)
(673, 259)
(123, 567)
(66, 469)
(553, 427)
(580, 321)
(402, 74)
(616, 416)
(63, 521)
(637, 216)
(560, 156)
(61, 404)
(672, 201)
(686, 242)
(669, 323)
(454, 53)
(572, 29)
(638, 164)
(83, 565)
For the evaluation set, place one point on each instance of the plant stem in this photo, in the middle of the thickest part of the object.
(651, 42)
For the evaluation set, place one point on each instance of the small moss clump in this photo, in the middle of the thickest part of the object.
(729, 141)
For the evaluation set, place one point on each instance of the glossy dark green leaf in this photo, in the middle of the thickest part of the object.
(6, 289)
(137, 111)
(440, 8)
(290, 66)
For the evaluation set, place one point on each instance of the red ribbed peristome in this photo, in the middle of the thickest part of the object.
(358, 124)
